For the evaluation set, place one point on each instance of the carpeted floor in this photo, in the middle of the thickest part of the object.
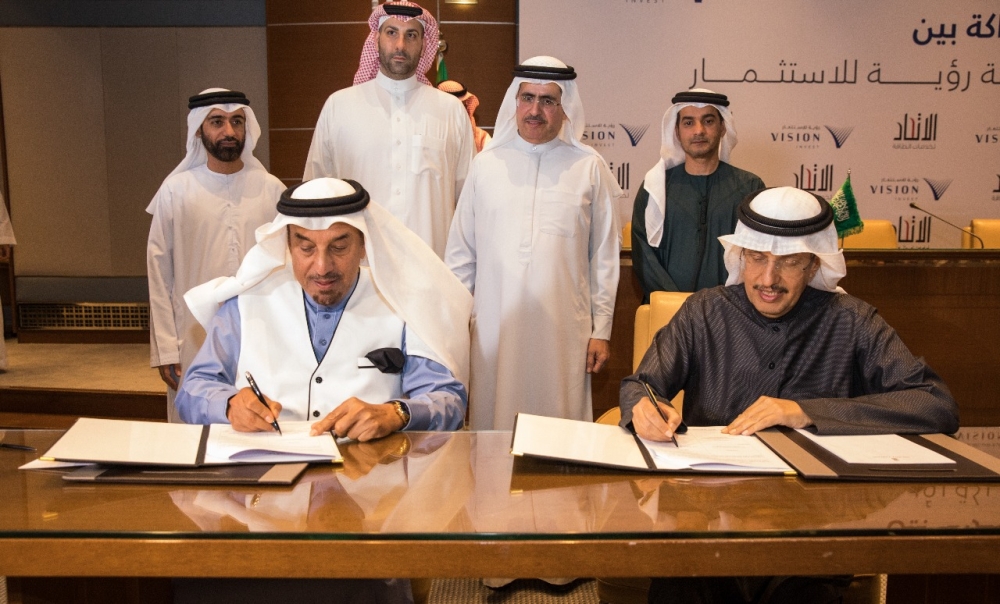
(80, 366)
(522, 591)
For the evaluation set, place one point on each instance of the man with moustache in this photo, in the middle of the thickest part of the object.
(689, 197)
(408, 142)
(535, 239)
(204, 217)
(781, 345)
(344, 318)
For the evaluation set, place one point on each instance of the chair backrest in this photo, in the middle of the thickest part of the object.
(627, 236)
(877, 234)
(987, 229)
(649, 318)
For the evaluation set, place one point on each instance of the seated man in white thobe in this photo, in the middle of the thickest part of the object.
(345, 318)
(361, 350)
(536, 239)
(204, 216)
(409, 143)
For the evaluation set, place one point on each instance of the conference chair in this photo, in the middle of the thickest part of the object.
(627, 236)
(987, 229)
(877, 234)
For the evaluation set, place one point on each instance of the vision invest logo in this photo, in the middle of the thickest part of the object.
(608, 135)
(990, 136)
(811, 136)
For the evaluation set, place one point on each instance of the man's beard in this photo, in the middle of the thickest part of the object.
(407, 69)
(224, 154)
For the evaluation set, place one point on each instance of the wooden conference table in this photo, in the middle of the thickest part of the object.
(458, 505)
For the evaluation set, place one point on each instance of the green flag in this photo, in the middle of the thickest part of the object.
(442, 69)
(845, 210)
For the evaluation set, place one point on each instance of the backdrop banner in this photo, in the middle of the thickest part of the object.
(904, 93)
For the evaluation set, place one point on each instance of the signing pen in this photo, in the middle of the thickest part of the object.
(16, 447)
(663, 416)
(260, 397)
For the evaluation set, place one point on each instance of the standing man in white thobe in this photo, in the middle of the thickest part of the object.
(536, 240)
(204, 217)
(405, 141)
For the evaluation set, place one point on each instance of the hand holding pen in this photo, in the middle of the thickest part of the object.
(260, 397)
(245, 414)
(653, 399)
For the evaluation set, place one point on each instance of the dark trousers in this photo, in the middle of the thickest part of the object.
(748, 590)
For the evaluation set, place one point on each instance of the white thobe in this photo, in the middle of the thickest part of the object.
(535, 238)
(203, 225)
(6, 238)
(407, 143)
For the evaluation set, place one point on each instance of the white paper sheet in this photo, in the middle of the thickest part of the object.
(294, 444)
(877, 449)
(706, 448)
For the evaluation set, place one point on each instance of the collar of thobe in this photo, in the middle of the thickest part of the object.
(522, 145)
(391, 85)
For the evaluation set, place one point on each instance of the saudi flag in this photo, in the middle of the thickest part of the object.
(845, 210)
(442, 69)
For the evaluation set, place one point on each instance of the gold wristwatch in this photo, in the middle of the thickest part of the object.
(402, 412)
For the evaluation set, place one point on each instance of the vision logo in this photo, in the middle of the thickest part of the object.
(938, 186)
(990, 137)
(898, 189)
(635, 133)
(599, 135)
(840, 134)
(811, 137)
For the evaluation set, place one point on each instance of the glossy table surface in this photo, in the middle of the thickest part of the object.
(458, 504)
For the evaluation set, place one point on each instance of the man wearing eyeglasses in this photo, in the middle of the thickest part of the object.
(781, 345)
(535, 238)
(689, 197)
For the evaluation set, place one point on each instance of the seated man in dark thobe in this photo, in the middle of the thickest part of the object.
(781, 345)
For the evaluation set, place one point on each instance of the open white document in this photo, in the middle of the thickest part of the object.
(111, 441)
(226, 446)
(703, 449)
(874, 449)
(707, 449)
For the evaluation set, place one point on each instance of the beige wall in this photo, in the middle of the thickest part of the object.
(95, 119)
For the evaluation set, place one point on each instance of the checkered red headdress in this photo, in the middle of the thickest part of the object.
(369, 66)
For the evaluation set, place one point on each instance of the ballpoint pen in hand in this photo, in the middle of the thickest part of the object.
(260, 397)
(663, 416)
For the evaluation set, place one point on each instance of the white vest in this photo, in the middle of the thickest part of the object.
(277, 350)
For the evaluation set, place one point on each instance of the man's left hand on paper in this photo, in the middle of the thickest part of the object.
(767, 411)
(247, 414)
(358, 420)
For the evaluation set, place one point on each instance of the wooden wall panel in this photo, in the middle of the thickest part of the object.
(482, 57)
(306, 64)
(317, 11)
(288, 154)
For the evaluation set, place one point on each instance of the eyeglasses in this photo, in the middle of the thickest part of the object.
(527, 99)
(786, 265)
